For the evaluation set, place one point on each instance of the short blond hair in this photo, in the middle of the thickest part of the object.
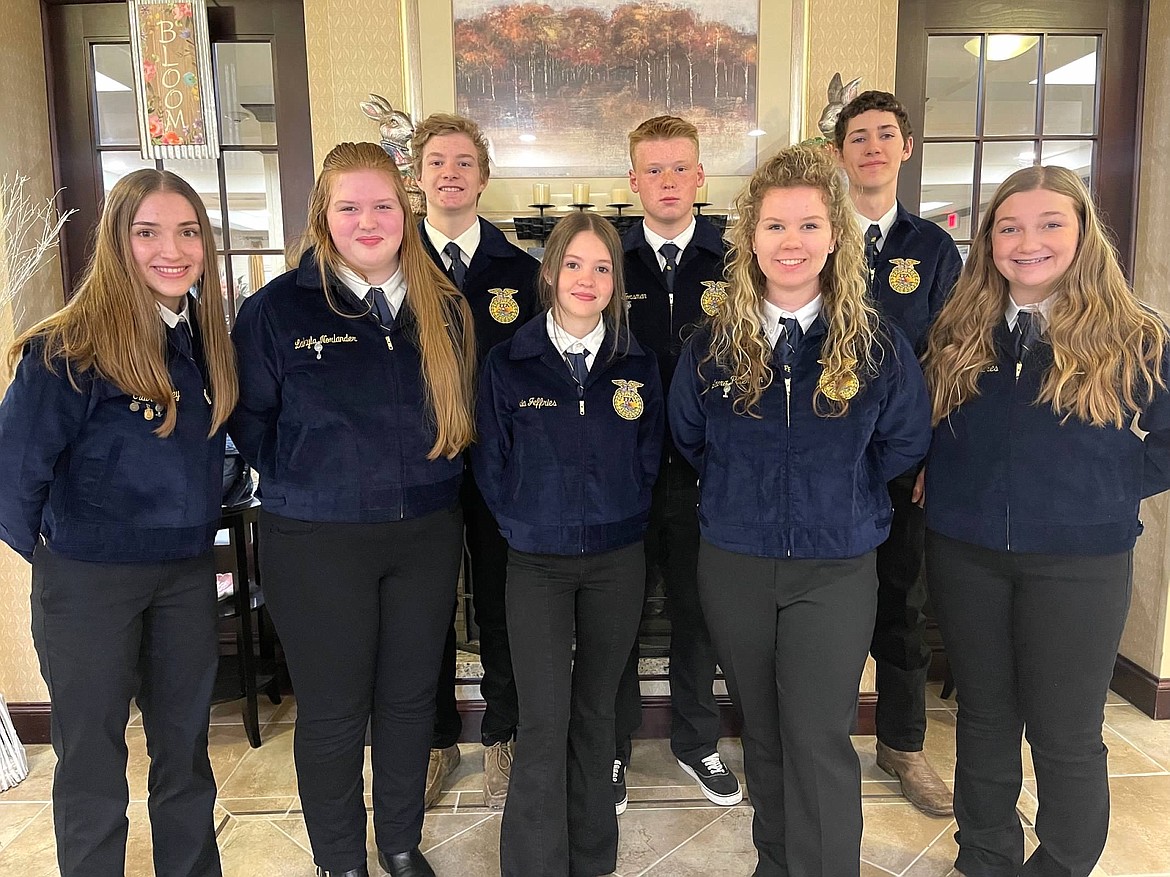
(663, 128)
(439, 124)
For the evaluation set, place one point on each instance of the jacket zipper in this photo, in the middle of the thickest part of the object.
(1011, 415)
(788, 450)
(401, 455)
(580, 456)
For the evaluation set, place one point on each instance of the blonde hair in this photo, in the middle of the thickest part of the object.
(615, 313)
(445, 335)
(1106, 344)
(663, 128)
(738, 340)
(439, 124)
(112, 323)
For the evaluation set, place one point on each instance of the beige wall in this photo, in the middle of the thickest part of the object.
(850, 38)
(1147, 635)
(24, 149)
(354, 48)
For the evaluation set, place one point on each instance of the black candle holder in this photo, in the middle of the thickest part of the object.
(699, 205)
(542, 207)
(619, 207)
(581, 207)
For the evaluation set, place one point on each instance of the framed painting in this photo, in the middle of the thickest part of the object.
(558, 85)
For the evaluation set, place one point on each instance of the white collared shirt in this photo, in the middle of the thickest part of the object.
(681, 240)
(772, 317)
(884, 223)
(468, 242)
(172, 319)
(1041, 307)
(566, 343)
(394, 289)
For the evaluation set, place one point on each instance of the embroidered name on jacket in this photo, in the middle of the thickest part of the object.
(314, 340)
(537, 402)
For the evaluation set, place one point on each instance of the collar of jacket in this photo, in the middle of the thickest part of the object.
(308, 277)
(531, 340)
(707, 237)
(492, 242)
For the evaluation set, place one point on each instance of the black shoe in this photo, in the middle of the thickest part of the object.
(719, 785)
(620, 798)
(408, 864)
(355, 872)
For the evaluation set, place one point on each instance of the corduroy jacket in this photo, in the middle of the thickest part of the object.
(1007, 474)
(566, 472)
(83, 468)
(791, 483)
(332, 410)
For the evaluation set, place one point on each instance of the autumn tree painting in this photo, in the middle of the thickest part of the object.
(558, 85)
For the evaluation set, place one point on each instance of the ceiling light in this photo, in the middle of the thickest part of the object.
(1002, 46)
(927, 206)
(1082, 71)
(527, 138)
(756, 132)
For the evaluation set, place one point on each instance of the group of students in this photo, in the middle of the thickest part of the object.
(751, 417)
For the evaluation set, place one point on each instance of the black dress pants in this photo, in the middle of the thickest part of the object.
(362, 610)
(899, 635)
(104, 633)
(1032, 639)
(672, 542)
(559, 820)
(487, 551)
(792, 636)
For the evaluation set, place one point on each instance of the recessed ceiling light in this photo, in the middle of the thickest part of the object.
(756, 132)
(527, 138)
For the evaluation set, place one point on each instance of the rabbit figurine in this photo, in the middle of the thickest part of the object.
(396, 129)
(838, 96)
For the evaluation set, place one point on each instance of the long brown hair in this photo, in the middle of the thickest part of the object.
(445, 334)
(738, 340)
(1106, 344)
(615, 313)
(112, 324)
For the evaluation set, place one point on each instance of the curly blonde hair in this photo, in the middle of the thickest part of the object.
(1106, 344)
(851, 346)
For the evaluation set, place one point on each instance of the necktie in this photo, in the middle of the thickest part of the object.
(578, 367)
(379, 307)
(789, 341)
(670, 253)
(458, 271)
(872, 236)
(1026, 334)
(181, 338)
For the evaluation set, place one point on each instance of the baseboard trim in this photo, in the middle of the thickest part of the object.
(1142, 688)
(31, 721)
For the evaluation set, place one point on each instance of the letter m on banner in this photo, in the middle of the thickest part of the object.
(173, 82)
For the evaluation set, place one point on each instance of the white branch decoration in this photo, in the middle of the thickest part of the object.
(29, 231)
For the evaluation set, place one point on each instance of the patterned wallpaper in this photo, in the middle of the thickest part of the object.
(855, 39)
(24, 148)
(1147, 635)
(354, 48)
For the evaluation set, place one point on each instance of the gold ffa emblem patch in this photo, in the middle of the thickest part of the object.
(839, 387)
(714, 295)
(626, 401)
(503, 307)
(903, 277)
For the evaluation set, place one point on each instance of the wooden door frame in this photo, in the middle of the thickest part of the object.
(75, 164)
(1124, 24)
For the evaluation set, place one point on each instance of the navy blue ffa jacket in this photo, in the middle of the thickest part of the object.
(1005, 473)
(332, 410)
(83, 468)
(500, 286)
(662, 321)
(917, 267)
(566, 472)
(791, 483)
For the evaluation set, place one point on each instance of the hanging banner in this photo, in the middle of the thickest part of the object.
(174, 86)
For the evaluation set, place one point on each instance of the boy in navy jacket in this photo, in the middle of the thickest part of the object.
(913, 265)
(674, 280)
(499, 282)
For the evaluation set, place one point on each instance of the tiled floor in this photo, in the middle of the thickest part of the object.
(669, 830)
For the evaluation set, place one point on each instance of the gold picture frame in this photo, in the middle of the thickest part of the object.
(429, 75)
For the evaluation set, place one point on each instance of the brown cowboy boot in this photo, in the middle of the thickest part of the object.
(443, 762)
(497, 772)
(920, 784)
